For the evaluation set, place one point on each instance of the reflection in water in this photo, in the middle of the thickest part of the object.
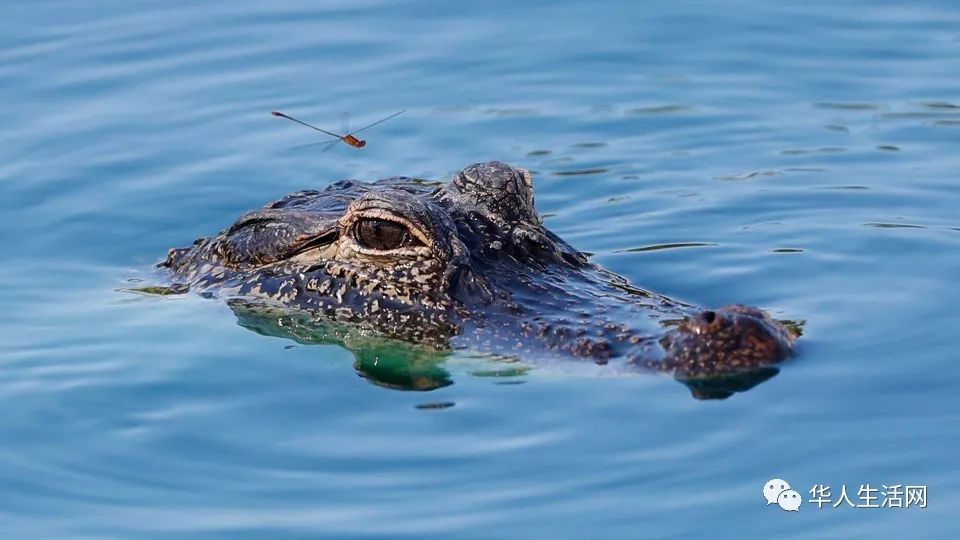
(940, 105)
(589, 145)
(837, 127)
(660, 247)
(384, 362)
(661, 109)
(516, 111)
(581, 172)
(921, 115)
(436, 405)
(822, 150)
(747, 175)
(849, 106)
(893, 225)
(400, 365)
(725, 386)
(158, 290)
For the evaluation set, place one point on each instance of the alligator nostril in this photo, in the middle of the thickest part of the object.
(709, 316)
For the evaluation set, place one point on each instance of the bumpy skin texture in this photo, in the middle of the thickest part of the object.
(467, 264)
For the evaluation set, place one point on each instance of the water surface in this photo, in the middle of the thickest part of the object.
(802, 158)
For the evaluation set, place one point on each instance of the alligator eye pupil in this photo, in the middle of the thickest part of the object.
(381, 234)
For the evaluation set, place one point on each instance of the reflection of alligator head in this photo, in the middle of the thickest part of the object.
(469, 265)
(385, 362)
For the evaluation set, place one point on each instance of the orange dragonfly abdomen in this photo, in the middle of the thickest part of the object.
(353, 141)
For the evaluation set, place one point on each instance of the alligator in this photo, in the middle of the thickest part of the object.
(467, 264)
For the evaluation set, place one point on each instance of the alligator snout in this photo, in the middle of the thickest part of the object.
(731, 339)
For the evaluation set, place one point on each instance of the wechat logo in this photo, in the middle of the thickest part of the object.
(777, 491)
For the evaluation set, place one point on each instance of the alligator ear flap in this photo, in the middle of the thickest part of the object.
(505, 192)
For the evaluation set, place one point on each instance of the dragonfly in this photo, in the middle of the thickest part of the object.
(350, 138)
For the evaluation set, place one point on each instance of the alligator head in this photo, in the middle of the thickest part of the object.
(469, 265)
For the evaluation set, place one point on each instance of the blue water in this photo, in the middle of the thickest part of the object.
(812, 150)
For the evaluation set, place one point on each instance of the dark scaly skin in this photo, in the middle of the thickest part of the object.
(478, 271)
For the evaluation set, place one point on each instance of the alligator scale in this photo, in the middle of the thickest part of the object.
(469, 265)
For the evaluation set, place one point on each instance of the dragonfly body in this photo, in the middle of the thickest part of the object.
(353, 141)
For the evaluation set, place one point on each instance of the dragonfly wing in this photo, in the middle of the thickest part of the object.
(302, 123)
(326, 145)
(379, 121)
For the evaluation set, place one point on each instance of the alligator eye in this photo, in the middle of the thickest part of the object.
(382, 235)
